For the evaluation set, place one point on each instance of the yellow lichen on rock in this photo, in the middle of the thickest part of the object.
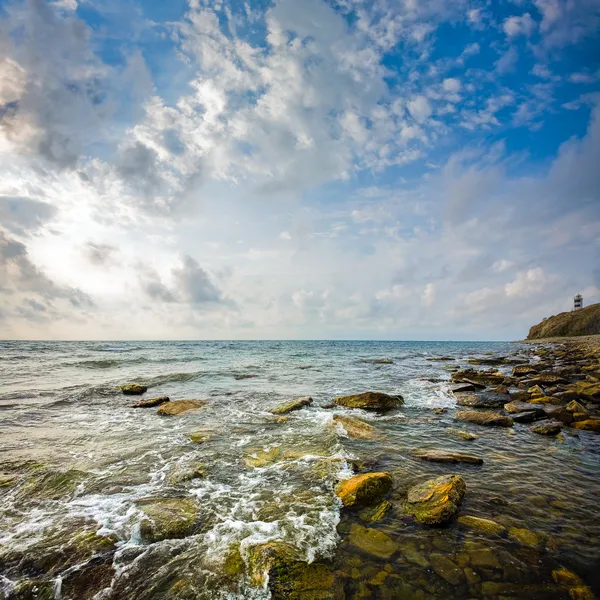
(436, 500)
(365, 489)
(179, 407)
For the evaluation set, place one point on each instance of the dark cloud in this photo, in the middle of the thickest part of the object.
(19, 274)
(194, 284)
(100, 255)
(159, 291)
(139, 166)
(22, 215)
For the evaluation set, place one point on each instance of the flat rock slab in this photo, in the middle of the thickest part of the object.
(371, 401)
(178, 407)
(151, 402)
(462, 387)
(484, 418)
(516, 407)
(547, 427)
(588, 425)
(291, 405)
(447, 457)
(489, 400)
(357, 428)
(167, 518)
(524, 370)
(528, 416)
(437, 500)
(365, 489)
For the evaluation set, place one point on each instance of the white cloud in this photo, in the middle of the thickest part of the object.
(527, 283)
(451, 84)
(519, 25)
(419, 108)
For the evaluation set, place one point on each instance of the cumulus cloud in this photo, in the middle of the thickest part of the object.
(22, 215)
(519, 25)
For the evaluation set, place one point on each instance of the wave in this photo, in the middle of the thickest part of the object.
(171, 378)
(109, 363)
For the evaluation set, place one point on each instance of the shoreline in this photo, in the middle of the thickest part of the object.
(590, 343)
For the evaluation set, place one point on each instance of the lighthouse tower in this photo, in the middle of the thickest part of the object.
(578, 302)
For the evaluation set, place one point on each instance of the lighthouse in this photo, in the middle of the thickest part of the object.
(578, 302)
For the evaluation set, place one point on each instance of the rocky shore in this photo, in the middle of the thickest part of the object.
(404, 531)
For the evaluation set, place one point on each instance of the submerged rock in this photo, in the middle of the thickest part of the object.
(446, 569)
(371, 401)
(364, 490)
(48, 484)
(437, 500)
(372, 541)
(484, 418)
(357, 428)
(199, 437)
(374, 514)
(151, 402)
(525, 537)
(167, 518)
(462, 434)
(486, 526)
(442, 456)
(377, 361)
(292, 405)
(181, 474)
(133, 389)
(178, 407)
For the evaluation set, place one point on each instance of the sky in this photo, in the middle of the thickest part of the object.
(323, 169)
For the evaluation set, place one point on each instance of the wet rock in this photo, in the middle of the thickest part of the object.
(462, 434)
(372, 541)
(178, 407)
(446, 569)
(442, 456)
(167, 518)
(437, 500)
(526, 537)
(515, 407)
(519, 396)
(133, 389)
(199, 437)
(151, 402)
(357, 428)
(524, 370)
(478, 378)
(527, 416)
(547, 378)
(481, 557)
(48, 484)
(486, 526)
(576, 407)
(557, 413)
(240, 377)
(181, 473)
(292, 405)
(462, 387)
(439, 358)
(547, 427)
(484, 418)
(489, 400)
(377, 361)
(374, 514)
(33, 589)
(535, 391)
(364, 490)
(546, 400)
(370, 401)
(588, 425)
(7, 480)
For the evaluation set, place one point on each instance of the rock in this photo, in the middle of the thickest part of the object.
(292, 405)
(372, 541)
(377, 361)
(33, 589)
(576, 407)
(446, 569)
(558, 413)
(374, 514)
(515, 407)
(588, 425)
(199, 437)
(240, 377)
(547, 378)
(167, 518)
(547, 427)
(486, 526)
(462, 387)
(178, 407)
(489, 400)
(447, 457)
(47, 484)
(567, 578)
(525, 537)
(181, 474)
(484, 418)
(6, 480)
(356, 428)
(585, 321)
(545, 400)
(528, 416)
(524, 370)
(364, 490)
(151, 402)
(133, 389)
(535, 391)
(463, 435)
(478, 378)
(437, 500)
(370, 401)
(519, 396)
(439, 358)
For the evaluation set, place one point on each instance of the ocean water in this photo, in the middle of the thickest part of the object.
(60, 407)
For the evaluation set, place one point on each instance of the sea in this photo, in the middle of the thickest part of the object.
(267, 479)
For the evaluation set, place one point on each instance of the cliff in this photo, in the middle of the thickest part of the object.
(585, 321)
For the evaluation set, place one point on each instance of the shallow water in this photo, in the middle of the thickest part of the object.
(59, 406)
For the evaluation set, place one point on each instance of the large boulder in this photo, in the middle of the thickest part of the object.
(178, 407)
(133, 389)
(437, 500)
(484, 418)
(371, 401)
(447, 457)
(291, 405)
(167, 518)
(364, 490)
(484, 400)
(357, 428)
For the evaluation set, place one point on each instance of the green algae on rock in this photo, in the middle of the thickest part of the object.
(167, 518)
(447, 457)
(486, 526)
(364, 490)
(374, 514)
(133, 389)
(547, 427)
(371, 401)
(484, 418)
(462, 434)
(47, 484)
(526, 537)
(181, 474)
(372, 541)
(178, 407)
(446, 569)
(292, 405)
(437, 500)
(199, 437)
(357, 428)
(151, 402)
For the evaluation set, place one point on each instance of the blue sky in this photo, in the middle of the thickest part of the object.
(318, 169)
